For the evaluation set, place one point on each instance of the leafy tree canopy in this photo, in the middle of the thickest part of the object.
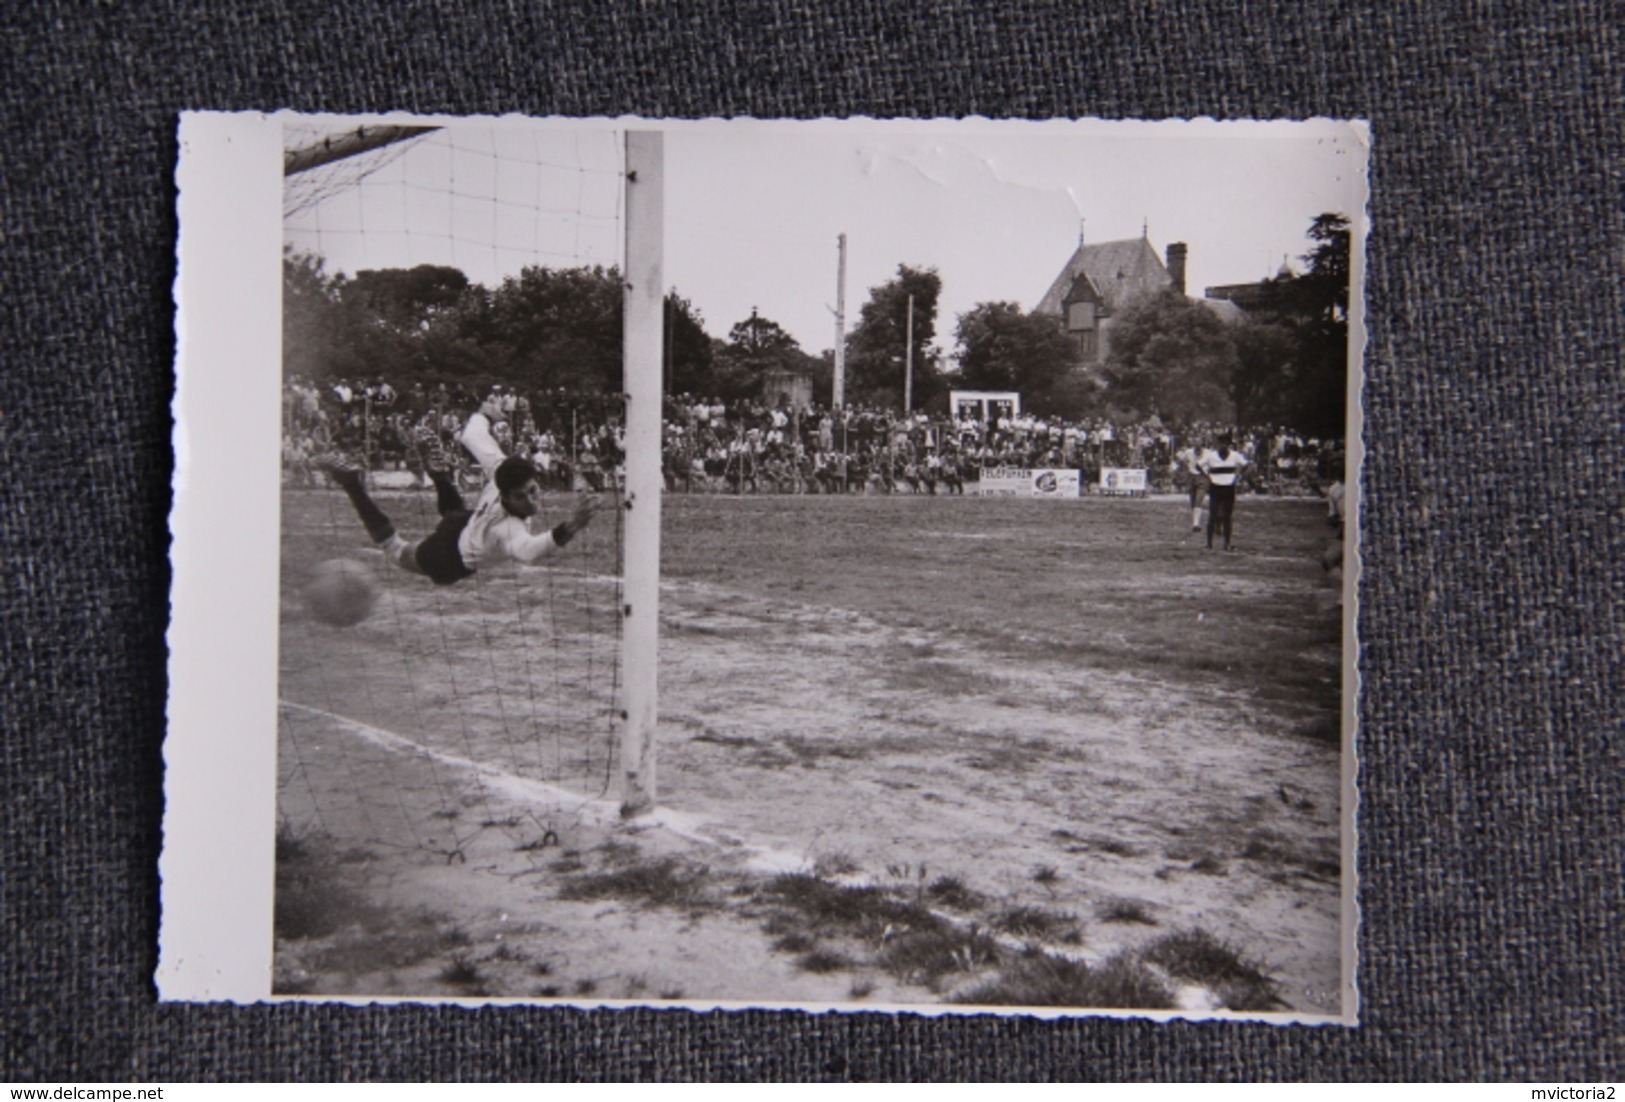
(1002, 348)
(689, 353)
(1172, 357)
(406, 297)
(877, 347)
(1327, 280)
(755, 346)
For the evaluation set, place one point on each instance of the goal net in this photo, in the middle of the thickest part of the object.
(427, 271)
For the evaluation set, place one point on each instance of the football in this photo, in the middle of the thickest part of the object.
(341, 593)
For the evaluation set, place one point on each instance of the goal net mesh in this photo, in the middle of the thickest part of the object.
(492, 706)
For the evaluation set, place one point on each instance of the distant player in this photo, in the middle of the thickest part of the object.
(1222, 466)
(499, 526)
(1190, 463)
(479, 437)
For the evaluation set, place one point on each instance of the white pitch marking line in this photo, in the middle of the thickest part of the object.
(689, 827)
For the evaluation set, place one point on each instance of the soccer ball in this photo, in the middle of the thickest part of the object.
(341, 593)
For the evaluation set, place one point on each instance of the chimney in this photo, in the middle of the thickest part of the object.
(1176, 265)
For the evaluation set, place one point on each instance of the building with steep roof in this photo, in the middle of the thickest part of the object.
(1100, 280)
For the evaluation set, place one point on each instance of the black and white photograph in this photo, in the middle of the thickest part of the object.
(852, 565)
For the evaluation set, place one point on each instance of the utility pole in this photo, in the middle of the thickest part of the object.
(908, 361)
(839, 397)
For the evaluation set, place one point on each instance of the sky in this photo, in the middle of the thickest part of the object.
(753, 209)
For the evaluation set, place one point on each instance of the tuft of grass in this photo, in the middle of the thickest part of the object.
(951, 892)
(808, 751)
(1035, 922)
(464, 973)
(834, 864)
(861, 911)
(940, 678)
(316, 902)
(1198, 956)
(824, 961)
(1268, 847)
(1329, 871)
(1006, 758)
(771, 757)
(731, 741)
(924, 956)
(669, 882)
(570, 862)
(1113, 846)
(309, 907)
(1209, 865)
(1046, 874)
(616, 852)
(312, 899)
(1040, 979)
(795, 943)
(390, 941)
(861, 989)
(1125, 910)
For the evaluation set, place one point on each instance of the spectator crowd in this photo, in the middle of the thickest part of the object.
(752, 447)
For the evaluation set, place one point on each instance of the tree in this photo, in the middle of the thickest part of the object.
(1266, 371)
(309, 302)
(755, 346)
(464, 341)
(561, 328)
(689, 356)
(1322, 383)
(1002, 348)
(322, 336)
(876, 349)
(1171, 357)
(1325, 285)
(406, 298)
(1292, 349)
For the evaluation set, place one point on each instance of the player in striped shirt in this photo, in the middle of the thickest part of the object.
(1223, 467)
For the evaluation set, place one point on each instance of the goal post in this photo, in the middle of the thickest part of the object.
(643, 351)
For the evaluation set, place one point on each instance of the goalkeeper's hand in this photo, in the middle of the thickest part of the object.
(586, 505)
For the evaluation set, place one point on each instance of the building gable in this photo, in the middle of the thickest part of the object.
(1117, 272)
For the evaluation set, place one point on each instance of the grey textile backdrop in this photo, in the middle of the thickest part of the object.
(1491, 823)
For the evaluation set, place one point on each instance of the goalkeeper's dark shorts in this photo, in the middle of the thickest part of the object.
(437, 556)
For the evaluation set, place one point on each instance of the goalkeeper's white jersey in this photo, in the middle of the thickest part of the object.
(493, 532)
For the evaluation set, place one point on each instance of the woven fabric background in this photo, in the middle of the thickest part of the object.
(1493, 536)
